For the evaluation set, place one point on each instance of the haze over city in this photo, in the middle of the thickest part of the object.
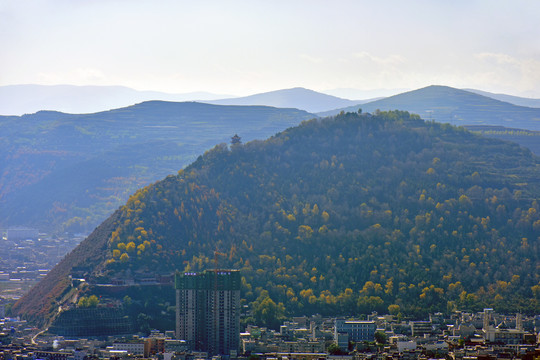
(245, 47)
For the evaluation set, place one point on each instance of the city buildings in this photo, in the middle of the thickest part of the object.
(302, 338)
(502, 333)
(208, 310)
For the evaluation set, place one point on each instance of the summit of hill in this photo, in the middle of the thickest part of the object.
(454, 106)
(299, 98)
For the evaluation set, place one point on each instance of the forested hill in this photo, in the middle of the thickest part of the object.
(343, 215)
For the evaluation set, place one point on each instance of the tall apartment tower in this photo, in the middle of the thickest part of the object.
(208, 310)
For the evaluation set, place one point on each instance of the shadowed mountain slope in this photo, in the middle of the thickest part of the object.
(298, 98)
(69, 172)
(27, 99)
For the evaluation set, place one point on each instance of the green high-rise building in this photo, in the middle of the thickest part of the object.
(208, 310)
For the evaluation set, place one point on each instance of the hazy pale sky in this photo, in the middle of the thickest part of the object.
(244, 47)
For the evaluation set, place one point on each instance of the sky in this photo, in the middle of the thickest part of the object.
(245, 47)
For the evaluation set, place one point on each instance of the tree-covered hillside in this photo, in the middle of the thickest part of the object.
(345, 215)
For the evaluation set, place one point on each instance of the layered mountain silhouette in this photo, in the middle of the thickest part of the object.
(299, 98)
(458, 107)
(28, 99)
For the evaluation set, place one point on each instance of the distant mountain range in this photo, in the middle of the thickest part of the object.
(370, 95)
(516, 100)
(457, 107)
(299, 98)
(28, 99)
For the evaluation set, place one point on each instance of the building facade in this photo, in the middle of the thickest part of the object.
(208, 310)
(350, 330)
(502, 334)
(420, 328)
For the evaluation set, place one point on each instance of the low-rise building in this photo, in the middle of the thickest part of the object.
(503, 335)
(301, 346)
(134, 347)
